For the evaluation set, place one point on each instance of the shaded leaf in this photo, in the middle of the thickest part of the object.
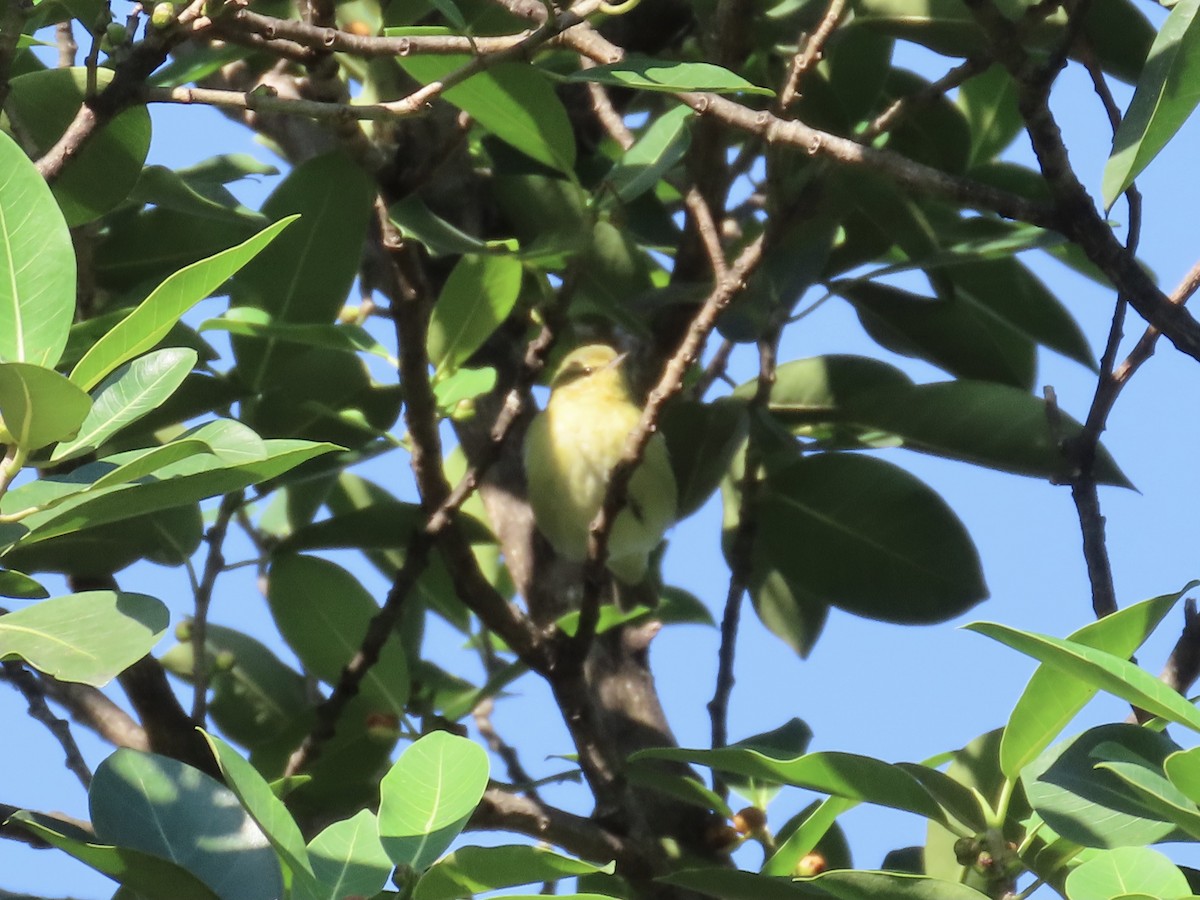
(38, 406)
(163, 807)
(473, 870)
(477, 296)
(650, 74)
(348, 860)
(1127, 870)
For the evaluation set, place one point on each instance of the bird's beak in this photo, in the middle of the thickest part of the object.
(616, 362)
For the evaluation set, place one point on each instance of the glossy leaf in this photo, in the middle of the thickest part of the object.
(869, 538)
(1153, 790)
(516, 103)
(163, 807)
(807, 836)
(473, 870)
(348, 860)
(88, 637)
(1052, 698)
(650, 74)
(37, 264)
(38, 406)
(840, 774)
(1114, 674)
(1090, 805)
(150, 321)
(426, 798)
(151, 877)
(1127, 870)
(197, 195)
(323, 612)
(702, 439)
(1165, 97)
(134, 389)
(107, 165)
(147, 462)
(477, 297)
(415, 220)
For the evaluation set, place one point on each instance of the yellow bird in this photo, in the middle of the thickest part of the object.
(570, 451)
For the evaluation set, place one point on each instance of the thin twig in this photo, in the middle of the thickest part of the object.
(809, 52)
(25, 682)
(94, 710)
(902, 106)
(64, 37)
(517, 774)
(214, 564)
(741, 560)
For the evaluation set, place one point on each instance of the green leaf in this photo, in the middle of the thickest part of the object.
(250, 322)
(263, 806)
(844, 775)
(168, 809)
(1184, 771)
(1110, 673)
(134, 389)
(847, 884)
(657, 150)
(989, 102)
(954, 334)
(426, 798)
(147, 462)
(193, 478)
(149, 323)
(473, 870)
(1093, 806)
(38, 406)
(1153, 790)
(515, 102)
(107, 165)
(37, 264)
(88, 637)
(979, 422)
(685, 788)
(197, 196)
(304, 276)
(869, 538)
(1052, 699)
(463, 384)
(649, 74)
(348, 860)
(1127, 870)
(806, 837)
(702, 439)
(417, 222)
(476, 298)
(1167, 93)
(152, 878)
(323, 612)
(21, 586)
(256, 698)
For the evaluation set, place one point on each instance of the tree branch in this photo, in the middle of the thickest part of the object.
(25, 682)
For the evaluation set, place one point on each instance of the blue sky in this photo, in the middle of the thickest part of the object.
(892, 692)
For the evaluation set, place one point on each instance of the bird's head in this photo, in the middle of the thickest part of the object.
(594, 369)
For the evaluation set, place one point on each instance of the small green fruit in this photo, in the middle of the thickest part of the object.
(163, 15)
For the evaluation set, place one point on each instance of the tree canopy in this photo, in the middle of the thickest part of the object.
(472, 189)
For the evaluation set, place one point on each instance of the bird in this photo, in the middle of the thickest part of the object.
(570, 450)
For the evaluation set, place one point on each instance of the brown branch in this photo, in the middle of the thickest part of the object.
(24, 681)
(94, 710)
(1077, 217)
(64, 37)
(809, 52)
(214, 564)
(482, 714)
(714, 370)
(1183, 665)
(902, 106)
(501, 810)
(129, 78)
